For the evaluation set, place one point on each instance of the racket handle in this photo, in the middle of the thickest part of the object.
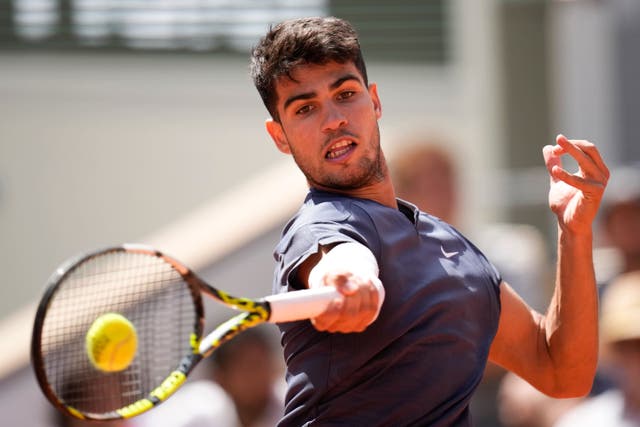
(300, 305)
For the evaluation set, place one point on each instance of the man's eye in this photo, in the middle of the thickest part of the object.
(346, 94)
(304, 109)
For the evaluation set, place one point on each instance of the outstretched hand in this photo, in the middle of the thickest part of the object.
(575, 198)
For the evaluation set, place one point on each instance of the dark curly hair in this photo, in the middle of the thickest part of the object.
(302, 41)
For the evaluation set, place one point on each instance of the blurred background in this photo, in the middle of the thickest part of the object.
(136, 121)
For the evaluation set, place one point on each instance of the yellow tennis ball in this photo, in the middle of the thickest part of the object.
(111, 342)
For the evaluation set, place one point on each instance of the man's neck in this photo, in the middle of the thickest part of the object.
(381, 192)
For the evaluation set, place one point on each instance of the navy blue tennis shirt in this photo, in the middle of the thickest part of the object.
(420, 361)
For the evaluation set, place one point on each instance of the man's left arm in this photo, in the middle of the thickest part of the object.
(558, 352)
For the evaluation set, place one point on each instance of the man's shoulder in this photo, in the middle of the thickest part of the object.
(327, 218)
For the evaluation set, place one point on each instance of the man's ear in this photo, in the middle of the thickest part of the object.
(277, 134)
(377, 105)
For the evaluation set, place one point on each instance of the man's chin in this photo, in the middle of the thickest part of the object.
(343, 185)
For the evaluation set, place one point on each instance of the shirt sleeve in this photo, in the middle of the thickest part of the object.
(321, 225)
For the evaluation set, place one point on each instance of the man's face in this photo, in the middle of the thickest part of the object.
(329, 124)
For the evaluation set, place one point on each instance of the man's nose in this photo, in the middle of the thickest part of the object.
(334, 119)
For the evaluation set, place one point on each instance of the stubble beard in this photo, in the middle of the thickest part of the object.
(368, 171)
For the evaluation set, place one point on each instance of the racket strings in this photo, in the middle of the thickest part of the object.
(146, 290)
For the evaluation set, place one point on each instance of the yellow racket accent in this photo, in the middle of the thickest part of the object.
(194, 341)
(160, 394)
(75, 412)
(231, 328)
(169, 386)
(135, 408)
(242, 303)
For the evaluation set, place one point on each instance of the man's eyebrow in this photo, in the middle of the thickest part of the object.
(309, 95)
(343, 79)
(294, 98)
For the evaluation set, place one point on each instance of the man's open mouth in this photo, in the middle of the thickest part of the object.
(340, 149)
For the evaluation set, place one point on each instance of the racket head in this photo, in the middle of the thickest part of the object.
(162, 299)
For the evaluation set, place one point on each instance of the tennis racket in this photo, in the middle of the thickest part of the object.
(163, 300)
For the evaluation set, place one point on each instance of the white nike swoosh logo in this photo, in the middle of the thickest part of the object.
(448, 254)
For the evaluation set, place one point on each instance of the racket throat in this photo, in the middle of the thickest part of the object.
(230, 329)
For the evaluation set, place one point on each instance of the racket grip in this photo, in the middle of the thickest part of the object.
(302, 304)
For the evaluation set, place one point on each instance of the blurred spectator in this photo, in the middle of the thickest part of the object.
(250, 370)
(243, 387)
(620, 335)
(199, 403)
(619, 251)
(425, 174)
(522, 405)
(520, 253)
(621, 217)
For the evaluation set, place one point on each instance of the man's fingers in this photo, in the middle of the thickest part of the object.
(343, 282)
(355, 311)
(550, 158)
(594, 154)
(587, 156)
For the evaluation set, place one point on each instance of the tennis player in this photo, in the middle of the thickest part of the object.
(423, 309)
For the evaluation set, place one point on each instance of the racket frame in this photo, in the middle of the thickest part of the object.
(286, 307)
